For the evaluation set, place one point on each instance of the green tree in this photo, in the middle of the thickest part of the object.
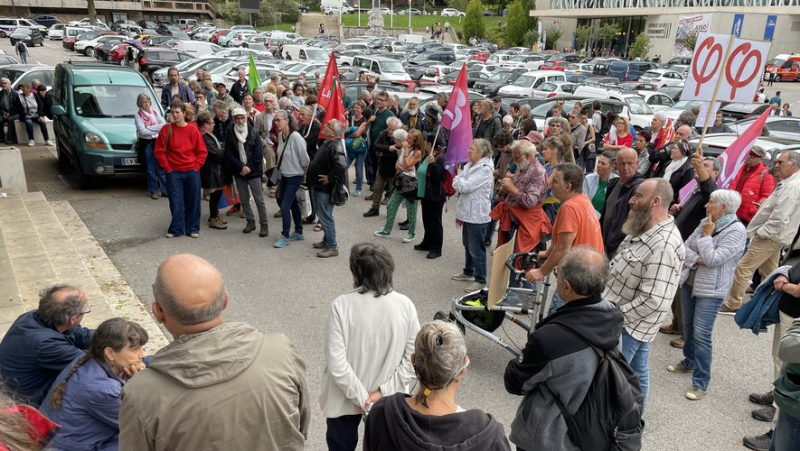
(533, 22)
(531, 38)
(641, 46)
(473, 21)
(583, 34)
(690, 41)
(608, 31)
(553, 35)
(517, 23)
(460, 5)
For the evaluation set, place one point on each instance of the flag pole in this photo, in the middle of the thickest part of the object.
(313, 118)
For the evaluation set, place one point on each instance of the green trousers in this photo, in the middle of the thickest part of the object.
(391, 212)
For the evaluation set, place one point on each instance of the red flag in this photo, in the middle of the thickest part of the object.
(335, 108)
(665, 135)
(734, 156)
(331, 74)
(458, 119)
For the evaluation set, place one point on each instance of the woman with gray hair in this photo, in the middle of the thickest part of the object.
(432, 419)
(369, 341)
(474, 188)
(148, 124)
(293, 164)
(712, 252)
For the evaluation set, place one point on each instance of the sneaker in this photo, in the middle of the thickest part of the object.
(372, 212)
(409, 238)
(215, 223)
(194, 235)
(677, 343)
(357, 192)
(764, 399)
(281, 243)
(383, 234)
(49, 142)
(474, 286)
(385, 200)
(765, 414)
(31, 143)
(725, 310)
(461, 277)
(758, 442)
(696, 393)
(327, 253)
(296, 237)
(249, 227)
(320, 245)
(264, 230)
(680, 367)
(170, 235)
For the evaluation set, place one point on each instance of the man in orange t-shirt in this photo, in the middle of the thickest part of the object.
(576, 224)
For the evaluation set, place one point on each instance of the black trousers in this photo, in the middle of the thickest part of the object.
(342, 433)
(432, 222)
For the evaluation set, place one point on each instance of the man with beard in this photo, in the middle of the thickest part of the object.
(645, 273)
(244, 155)
(411, 116)
(175, 88)
(618, 193)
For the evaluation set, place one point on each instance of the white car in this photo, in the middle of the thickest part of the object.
(87, 46)
(452, 12)
(662, 77)
(56, 31)
(436, 72)
(579, 69)
(530, 62)
(553, 89)
(656, 100)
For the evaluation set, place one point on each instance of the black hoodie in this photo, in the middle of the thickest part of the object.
(393, 426)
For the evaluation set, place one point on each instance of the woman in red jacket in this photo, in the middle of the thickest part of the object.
(180, 150)
(754, 183)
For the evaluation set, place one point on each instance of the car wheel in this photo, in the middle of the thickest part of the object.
(85, 181)
(63, 158)
(89, 52)
(777, 78)
(3, 35)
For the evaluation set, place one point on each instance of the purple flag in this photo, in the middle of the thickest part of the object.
(458, 119)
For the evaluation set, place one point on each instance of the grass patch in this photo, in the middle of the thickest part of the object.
(287, 27)
(418, 22)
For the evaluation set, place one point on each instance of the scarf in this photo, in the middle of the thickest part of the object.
(674, 165)
(241, 136)
(724, 220)
(150, 119)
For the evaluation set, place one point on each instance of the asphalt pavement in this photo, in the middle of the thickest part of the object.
(288, 290)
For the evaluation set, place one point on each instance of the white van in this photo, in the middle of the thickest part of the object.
(411, 38)
(73, 32)
(386, 68)
(304, 53)
(184, 24)
(197, 48)
(527, 82)
(9, 24)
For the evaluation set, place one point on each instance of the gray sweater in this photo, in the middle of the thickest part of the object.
(720, 253)
(292, 155)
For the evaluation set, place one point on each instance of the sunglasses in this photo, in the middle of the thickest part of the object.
(752, 155)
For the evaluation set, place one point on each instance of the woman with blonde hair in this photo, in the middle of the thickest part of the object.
(432, 419)
(619, 136)
(405, 185)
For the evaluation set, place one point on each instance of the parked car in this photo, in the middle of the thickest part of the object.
(662, 78)
(527, 82)
(70, 35)
(94, 107)
(733, 112)
(553, 89)
(409, 11)
(778, 126)
(559, 65)
(673, 92)
(656, 100)
(150, 59)
(9, 24)
(579, 69)
(197, 49)
(630, 70)
(88, 47)
(497, 80)
(45, 20)
(716, 143)
(26, 73)
(218, 34)
(30, 36)
(56, 31)
(530, 62)
(452, 12)
(6, 60)
(115, 54)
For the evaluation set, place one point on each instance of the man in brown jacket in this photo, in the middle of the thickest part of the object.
(219, 385)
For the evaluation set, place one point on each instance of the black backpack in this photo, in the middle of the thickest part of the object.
(610, 416)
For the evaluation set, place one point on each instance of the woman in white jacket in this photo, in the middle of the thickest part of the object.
(474, 187)
(369, 342)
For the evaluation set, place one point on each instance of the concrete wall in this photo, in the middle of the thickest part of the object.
(567, 26)
(354, 32)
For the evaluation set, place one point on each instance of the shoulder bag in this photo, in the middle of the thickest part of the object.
(275, 178)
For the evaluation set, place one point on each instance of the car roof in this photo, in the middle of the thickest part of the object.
(105, 75)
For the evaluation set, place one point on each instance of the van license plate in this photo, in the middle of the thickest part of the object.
(130, 161)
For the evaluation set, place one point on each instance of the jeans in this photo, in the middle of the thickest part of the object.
(184, 202)
(23, 58)
(29, 127)
(637, 353)
(156, 177)
(322, 201)
(359, 159)
(342, 433)
(472, 236)
(787, 433)
(11, 137)
(252, 186)
(699, 315)
(289, 205)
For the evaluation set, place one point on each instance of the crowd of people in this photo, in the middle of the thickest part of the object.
(29, 105)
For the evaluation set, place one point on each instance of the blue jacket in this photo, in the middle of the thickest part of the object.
(89, 412)
(33, 353)
(184, 93)
(762, 309)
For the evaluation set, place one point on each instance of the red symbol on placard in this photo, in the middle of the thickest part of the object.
(737, 82)
(704, 76)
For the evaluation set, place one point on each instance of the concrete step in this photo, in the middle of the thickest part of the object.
(47, 243)
(308, 25)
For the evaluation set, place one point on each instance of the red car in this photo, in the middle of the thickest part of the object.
(215, 37)
(118, 53)
(554, 65)
(478, 55)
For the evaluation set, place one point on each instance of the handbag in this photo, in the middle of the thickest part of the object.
(275, 177)
(303, 197)
(405, 183)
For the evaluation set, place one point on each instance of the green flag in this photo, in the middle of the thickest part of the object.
(255, 81)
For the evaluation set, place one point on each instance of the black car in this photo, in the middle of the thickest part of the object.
(440, 55)
(46, 20)
(148, 24)
(674, 92)
(490, 86)
(474, 77)
(733, 112)
(302, 8)
(150, 59)
(30, 36)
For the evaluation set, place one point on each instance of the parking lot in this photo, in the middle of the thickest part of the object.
(288, 290)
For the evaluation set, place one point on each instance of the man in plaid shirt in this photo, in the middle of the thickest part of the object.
(645, 273)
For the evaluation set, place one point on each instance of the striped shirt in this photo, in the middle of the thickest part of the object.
(645, 274)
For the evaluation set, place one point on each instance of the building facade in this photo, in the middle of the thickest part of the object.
(110, 11)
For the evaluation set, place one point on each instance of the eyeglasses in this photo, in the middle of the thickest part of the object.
(555, 272)
(84, 313)
(752, 155)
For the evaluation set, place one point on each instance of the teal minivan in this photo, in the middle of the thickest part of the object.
(94, 106)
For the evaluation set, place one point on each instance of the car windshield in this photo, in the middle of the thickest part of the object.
(225, 68)
(318, 55)
(525, 81)
(499, 77)
(686, 104)
(11, 74)
(22, 30)
(392, 67)
(547, 87)
(651, 74)
(106, 100)
(637, 105)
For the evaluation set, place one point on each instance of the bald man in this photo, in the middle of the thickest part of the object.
(219, 385)
(618, 193)
(42, 342)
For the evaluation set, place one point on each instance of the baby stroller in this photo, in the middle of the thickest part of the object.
(473, 312)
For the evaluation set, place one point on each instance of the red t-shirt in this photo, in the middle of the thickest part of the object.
(260, 107)
(577, 215)
(187, 151)
(626, 141)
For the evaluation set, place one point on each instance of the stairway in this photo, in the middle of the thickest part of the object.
(308, 25)
(44, 243)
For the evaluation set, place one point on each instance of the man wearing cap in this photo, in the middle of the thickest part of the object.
(432, 125)
(222, 94)
(175, 88)
(754, 183)
(244, 155)
(498, 107)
